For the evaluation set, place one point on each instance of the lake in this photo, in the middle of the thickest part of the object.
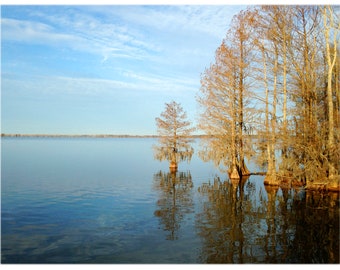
(106, 200)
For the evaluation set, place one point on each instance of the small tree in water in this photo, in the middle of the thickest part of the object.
(175, 136)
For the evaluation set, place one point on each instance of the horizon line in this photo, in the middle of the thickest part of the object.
(89, 135)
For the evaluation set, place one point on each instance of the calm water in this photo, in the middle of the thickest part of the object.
(109, 201)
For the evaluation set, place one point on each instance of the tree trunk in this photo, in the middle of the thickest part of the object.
(272, 179)
(233, 170)
(284, 136)
(332, 176)
(243, 170)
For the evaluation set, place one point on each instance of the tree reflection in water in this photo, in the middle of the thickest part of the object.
(221, 224)
(316, 229)
(175, 199)
(241, 224)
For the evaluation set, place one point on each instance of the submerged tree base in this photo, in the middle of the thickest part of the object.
(334, 189)
(173, 167)
(287, 181)
(271, 180)
(334, 184)
(236, 173)
(245, 171)
(322, 186)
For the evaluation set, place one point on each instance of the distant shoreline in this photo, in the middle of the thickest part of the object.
(84, 136)
(76, 136)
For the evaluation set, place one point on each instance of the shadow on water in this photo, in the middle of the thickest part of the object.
(241, 225)
(315, 221)
(175, 200)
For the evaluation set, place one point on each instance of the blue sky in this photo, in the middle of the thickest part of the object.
(103, 69)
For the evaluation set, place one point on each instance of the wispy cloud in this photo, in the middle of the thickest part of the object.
(166, 84)
(82, 34)
(126, 31)
(183, 35)
(210, 20)
(33, 32)
(114, 38)
(91, 87)
(168, 37)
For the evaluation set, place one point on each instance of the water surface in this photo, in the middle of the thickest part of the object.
(86, 200)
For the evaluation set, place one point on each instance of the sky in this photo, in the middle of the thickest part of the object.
(77, 69)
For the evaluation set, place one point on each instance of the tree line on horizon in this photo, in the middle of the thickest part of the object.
(276, 76)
